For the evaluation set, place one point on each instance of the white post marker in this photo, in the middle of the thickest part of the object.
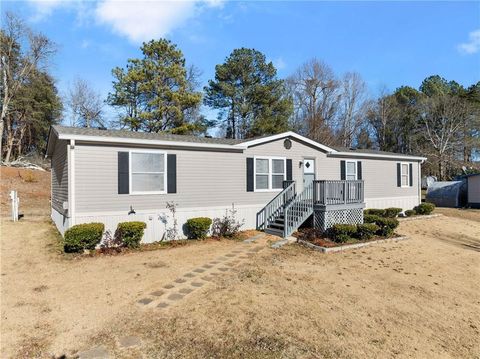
(15, 202)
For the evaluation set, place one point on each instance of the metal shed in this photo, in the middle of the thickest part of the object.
(473, 190)
(448, 194)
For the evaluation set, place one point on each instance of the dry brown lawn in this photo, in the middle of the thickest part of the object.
(418, 298)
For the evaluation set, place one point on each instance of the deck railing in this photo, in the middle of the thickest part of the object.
(297, 211)
(331, 192)
(275, 207)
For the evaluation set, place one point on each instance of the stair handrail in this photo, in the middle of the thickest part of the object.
(298, 210)
(275, 207)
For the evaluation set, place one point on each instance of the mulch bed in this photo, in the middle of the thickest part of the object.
(318, 238)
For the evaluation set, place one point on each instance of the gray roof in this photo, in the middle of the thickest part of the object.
(84, 131)
(370, 151)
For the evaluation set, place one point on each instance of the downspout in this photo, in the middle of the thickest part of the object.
(71, 182)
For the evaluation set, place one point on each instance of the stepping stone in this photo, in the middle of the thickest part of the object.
(207, 266)
(222, 259)
(180, 280)
(214, 262)
(236, 251)
(230, 264)
(189, 275)
(162, 305)
(99, 352)
(175, 296)
(230, 255)
(208, 279)
(128, 342)
(145, 301)
(199, 270)
(157, 293)
(196, 284)
(214, 273)
(223, 269)
(186, 290)
(168, 286)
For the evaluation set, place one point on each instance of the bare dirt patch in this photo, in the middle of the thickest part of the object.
(33, 189)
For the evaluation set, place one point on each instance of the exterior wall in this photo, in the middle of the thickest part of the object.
(159, 220)
(59, 176)
(208, 183)
(61, 221)
(474, 189)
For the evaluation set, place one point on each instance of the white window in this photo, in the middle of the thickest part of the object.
(148, 171)
(351, 170)
(405, 176)
(270, 172)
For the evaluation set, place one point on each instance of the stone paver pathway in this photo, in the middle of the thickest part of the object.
(183, 286)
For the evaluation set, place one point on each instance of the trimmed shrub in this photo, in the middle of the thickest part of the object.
(375, 212)
(130, 233)
(370, 218)
(342, 232)
(392, 212)
(424, 208)
(386, 226)
(83, 236)
(409, 212)
(198, 227)
(366, 231)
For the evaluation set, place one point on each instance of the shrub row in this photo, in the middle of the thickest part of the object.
(393, 212)
(88, 235)
(342, 233)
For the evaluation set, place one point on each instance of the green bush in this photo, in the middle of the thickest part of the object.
(342, 232)
(370, 218)
(198, 227)
(83, 236)
(386, 226)
(392, 212)
(410, 212)
(375, 212)
(424, 208)
(130, 233)
(366, 231)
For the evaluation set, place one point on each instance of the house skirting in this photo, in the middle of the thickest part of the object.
(407, 202)
(325, 217)
(62, 222)
(158, 221)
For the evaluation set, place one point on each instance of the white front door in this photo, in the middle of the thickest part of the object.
(308, 171)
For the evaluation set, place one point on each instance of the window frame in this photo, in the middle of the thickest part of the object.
(346, 170)
(130, 172)
(407, 174)
(270, 173)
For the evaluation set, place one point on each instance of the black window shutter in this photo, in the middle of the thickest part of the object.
(123, 175)
(399, 175)
(289, 169)
(410, 173)
(359, 170)
(171, 173)
(250, 174)
(342, 170)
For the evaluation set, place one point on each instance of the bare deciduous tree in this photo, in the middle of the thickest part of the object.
(443, 117)
(22, 52)
(316, 94)
(85, 105)
(352, 107)
(380, 114)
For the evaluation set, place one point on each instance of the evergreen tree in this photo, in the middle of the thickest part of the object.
(153, 92)
(251, 99)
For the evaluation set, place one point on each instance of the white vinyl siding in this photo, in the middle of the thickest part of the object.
(270, 172)
(351, 170)
(404, 174)
(147, 172)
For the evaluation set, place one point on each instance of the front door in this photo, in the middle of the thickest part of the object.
(308, 171)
